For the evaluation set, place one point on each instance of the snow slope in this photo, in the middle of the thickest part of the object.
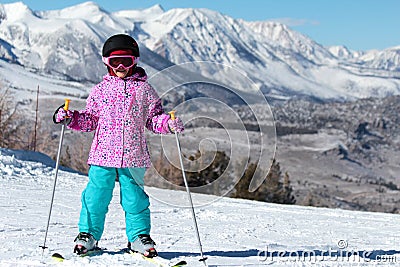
(234, 232)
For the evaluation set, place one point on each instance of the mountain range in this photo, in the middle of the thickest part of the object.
(64, 45)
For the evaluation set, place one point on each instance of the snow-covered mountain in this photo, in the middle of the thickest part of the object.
(388, 59)
(259, 233)
(342, 52)
(66, 44)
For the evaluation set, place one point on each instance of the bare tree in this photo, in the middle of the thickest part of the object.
(8, 112)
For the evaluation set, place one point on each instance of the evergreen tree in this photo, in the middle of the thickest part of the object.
(275, 188)
(209, 174)
(206, 172)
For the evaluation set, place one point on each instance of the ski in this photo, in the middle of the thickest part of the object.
(97, 251)
(157, 261)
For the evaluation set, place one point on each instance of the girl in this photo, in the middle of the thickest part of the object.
(118, 109)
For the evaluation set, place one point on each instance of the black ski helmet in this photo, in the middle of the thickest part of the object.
(120, 41)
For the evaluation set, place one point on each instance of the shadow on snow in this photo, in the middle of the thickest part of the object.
(301, 255)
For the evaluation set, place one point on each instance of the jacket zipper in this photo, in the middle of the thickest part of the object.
(123, 126)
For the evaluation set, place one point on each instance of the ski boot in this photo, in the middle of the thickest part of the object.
(84, 243)
(144, 245)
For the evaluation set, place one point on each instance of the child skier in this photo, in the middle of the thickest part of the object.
(118, 109)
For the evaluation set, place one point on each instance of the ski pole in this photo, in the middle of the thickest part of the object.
(66, 106)
(203, 259)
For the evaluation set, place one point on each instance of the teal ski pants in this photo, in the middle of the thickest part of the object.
(98, 194)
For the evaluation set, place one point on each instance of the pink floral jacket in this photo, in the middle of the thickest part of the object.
(119, 110)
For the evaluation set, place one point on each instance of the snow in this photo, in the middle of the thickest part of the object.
(324, 140)
(19, 11)
(49, 86)
(23, 16)
(139, 15)
(234, 232)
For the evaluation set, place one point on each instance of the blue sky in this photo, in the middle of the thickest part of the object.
(357, 24)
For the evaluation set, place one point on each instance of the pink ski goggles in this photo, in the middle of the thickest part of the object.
(121, 62)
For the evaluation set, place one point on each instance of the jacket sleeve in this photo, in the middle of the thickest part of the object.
(157, 120)
(86, 120)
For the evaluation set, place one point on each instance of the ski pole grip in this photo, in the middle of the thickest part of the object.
(66, 106)
(172, 114)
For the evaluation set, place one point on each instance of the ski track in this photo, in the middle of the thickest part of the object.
(234, 232)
